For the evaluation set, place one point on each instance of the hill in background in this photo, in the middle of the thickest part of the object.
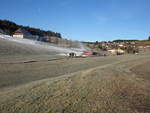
(9, 28)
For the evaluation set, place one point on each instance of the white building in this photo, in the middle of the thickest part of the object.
(21, 33)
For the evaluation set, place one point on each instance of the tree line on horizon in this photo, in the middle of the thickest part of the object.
(10, 27)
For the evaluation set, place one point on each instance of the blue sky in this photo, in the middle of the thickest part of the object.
(84, 20)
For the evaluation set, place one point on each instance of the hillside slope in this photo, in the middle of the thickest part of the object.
(14, 49)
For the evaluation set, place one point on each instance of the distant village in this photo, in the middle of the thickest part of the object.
(119, 47)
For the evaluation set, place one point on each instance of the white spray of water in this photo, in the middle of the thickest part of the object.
(51, 47)
(82, 46)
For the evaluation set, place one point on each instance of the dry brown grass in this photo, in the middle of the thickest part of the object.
(105, 89)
